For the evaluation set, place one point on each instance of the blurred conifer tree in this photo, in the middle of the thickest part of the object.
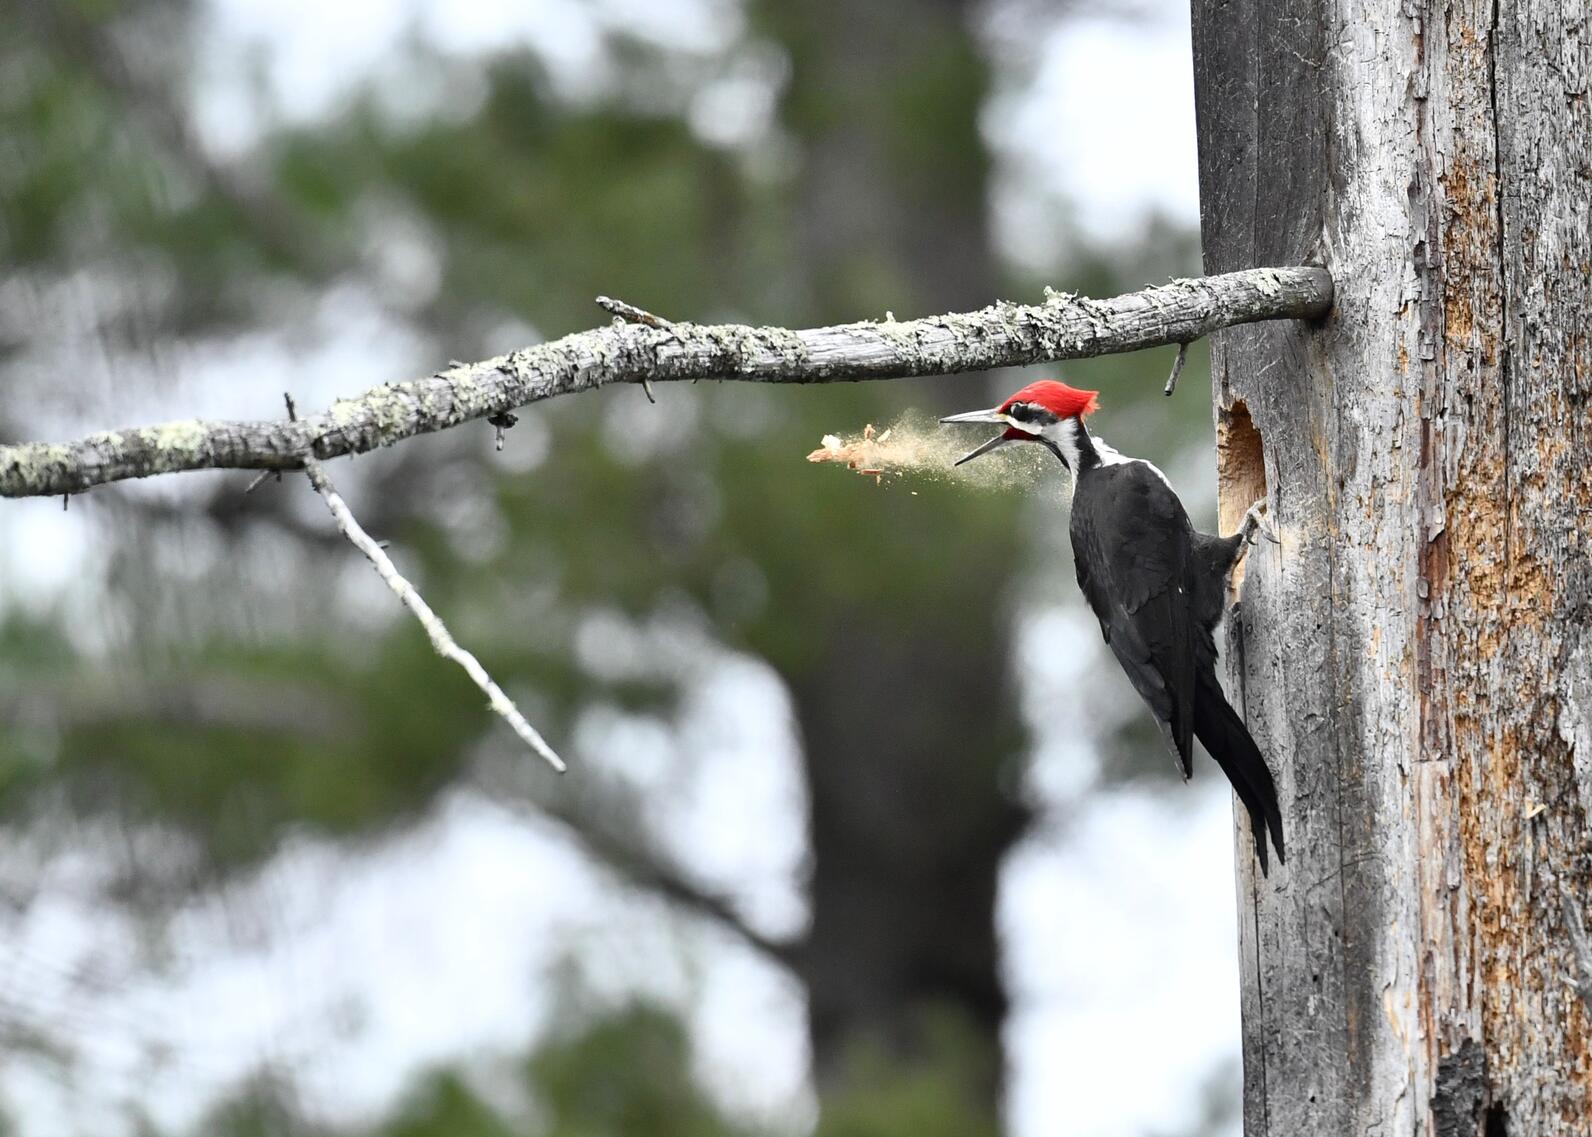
(245, 703)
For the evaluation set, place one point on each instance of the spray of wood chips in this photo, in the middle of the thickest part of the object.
(918, 447)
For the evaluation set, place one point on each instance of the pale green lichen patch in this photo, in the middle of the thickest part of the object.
(346, 414)
(787, 344)
(32, 458)
(381, 415)
(476, 391)
(435, 403)
(184, 438)
(391, 414)
(25, 466)
(903, 336)
(962, 326)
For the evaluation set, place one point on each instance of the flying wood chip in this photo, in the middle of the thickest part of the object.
(915, 447)
(868, 455)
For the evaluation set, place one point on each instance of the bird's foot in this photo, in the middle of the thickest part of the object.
(1258, 520)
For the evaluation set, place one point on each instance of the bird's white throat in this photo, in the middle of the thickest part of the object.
(1069, 435)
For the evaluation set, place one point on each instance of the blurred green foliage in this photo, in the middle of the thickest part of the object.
(519, 207)
(531, 206)
(627, 1072)
(939, 1095)
(624, 1072)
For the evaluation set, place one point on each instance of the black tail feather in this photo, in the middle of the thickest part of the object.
(1227, 740)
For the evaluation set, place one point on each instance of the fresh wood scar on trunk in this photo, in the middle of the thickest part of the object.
(1241, 466)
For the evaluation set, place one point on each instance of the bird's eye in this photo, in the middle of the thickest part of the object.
(1022, 412)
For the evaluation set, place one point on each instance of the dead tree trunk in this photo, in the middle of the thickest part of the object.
(1416, 655)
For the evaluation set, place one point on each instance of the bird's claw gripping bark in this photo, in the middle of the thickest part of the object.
(1258, 519)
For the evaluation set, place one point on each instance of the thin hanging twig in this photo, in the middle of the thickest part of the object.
(1177, 369)
(441, 639)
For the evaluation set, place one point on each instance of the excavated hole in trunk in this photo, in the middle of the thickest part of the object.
(1240, 472)
(1497, 1120)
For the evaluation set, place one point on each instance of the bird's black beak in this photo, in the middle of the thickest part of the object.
(993, 415)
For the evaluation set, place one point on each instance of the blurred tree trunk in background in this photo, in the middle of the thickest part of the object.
(1415, 656)
(909, 736)
(886, 614)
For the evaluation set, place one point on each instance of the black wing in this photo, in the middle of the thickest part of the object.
(1132, 543)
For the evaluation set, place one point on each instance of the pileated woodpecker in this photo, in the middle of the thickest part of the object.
(1156, 585)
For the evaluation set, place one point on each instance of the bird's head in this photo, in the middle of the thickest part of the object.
(1041, 412)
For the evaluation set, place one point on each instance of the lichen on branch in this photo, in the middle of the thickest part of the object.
(1002, 335)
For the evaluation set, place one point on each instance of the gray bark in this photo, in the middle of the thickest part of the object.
(1002, 335)
(1415, 656)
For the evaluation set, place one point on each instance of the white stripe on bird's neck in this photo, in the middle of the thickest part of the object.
(1072, 437)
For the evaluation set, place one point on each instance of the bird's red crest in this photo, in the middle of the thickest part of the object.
(1057, 398)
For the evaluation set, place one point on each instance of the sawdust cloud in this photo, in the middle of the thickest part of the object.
(916, 448)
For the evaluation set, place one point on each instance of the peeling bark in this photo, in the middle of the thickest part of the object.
(1413, 656)
(1002, 335)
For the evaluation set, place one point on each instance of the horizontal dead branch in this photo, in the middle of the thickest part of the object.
(1002, 335)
